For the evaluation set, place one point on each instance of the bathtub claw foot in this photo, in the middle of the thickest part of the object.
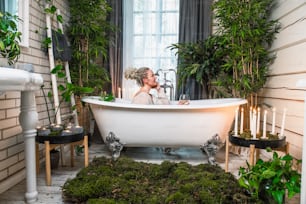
(114, 145)
(167, 150)
(211, 147)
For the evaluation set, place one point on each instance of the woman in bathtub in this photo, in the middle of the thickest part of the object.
(146, 79)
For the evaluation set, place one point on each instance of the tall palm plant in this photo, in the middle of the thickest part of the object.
(88, 33)
(248, 32)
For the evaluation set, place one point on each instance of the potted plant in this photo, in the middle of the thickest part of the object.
(88, 32)
(9, 37)
(54, 158)
(201, 60)
(248, 32)
(271, 180)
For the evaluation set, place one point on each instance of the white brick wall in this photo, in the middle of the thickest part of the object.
(9, 132)
(3, 154)
(4, 104)
(4, 164)
(6, 143)
(3, 174)
(12, 163)
(2, 114)
(7, 123)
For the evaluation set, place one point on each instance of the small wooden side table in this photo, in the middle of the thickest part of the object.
(51, 142)
(255, 145)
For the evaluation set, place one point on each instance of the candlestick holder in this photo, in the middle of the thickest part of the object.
(43, 131)
(77, 129)
(272, 142)
(246, 134)
(57, 128)
(66, 132)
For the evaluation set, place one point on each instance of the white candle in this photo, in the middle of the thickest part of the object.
(251, 118)
(264, 128)
(283, 122)
(119, 92)
(273, 121)
(258, 120)
(241, 121)
(236, 122)
(254, 124)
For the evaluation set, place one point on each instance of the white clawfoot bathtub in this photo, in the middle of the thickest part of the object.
(202, 123)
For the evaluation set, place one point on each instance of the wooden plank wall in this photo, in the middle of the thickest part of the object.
(280, 90)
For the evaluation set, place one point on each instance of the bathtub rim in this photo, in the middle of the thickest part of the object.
(194, 104)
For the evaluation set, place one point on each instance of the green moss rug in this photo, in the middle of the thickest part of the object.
(127, 181)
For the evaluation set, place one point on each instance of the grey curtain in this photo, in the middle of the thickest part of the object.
(194, 25)
(2, 6)
(116, 45)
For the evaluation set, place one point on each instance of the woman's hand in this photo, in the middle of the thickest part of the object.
(158, 87)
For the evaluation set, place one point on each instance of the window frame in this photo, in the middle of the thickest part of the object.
(23, 24)
(129, 35)
(128, 54)
(22, 11)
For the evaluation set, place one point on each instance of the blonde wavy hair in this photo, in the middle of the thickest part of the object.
(137, 74)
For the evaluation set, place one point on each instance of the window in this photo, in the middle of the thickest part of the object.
(150, 27)
(21, 9)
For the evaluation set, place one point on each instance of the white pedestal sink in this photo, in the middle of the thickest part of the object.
(27, 83)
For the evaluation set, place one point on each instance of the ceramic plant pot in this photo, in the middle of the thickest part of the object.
(54, 158)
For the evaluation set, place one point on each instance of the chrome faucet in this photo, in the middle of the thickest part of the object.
(167, 84)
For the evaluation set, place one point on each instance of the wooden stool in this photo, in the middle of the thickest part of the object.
(253, 151)
(49, 147)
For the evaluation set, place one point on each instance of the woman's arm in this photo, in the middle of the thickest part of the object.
(162, 98)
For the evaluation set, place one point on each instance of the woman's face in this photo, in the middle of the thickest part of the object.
(151, 79)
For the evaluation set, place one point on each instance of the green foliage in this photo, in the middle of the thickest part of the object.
(201, 60)
(96, 75)
(128, 181)
(89, 36)
(247, 135)
(67, 89)
(248, 32)
(274, 177)
(107, 97)
(51, 10)
(9, 37)
(98, 78)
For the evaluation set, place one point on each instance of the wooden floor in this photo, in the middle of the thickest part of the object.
(53, 194)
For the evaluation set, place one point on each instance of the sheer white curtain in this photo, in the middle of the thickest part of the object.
(150, 27)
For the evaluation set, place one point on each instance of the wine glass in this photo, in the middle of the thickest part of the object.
(184, 99)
